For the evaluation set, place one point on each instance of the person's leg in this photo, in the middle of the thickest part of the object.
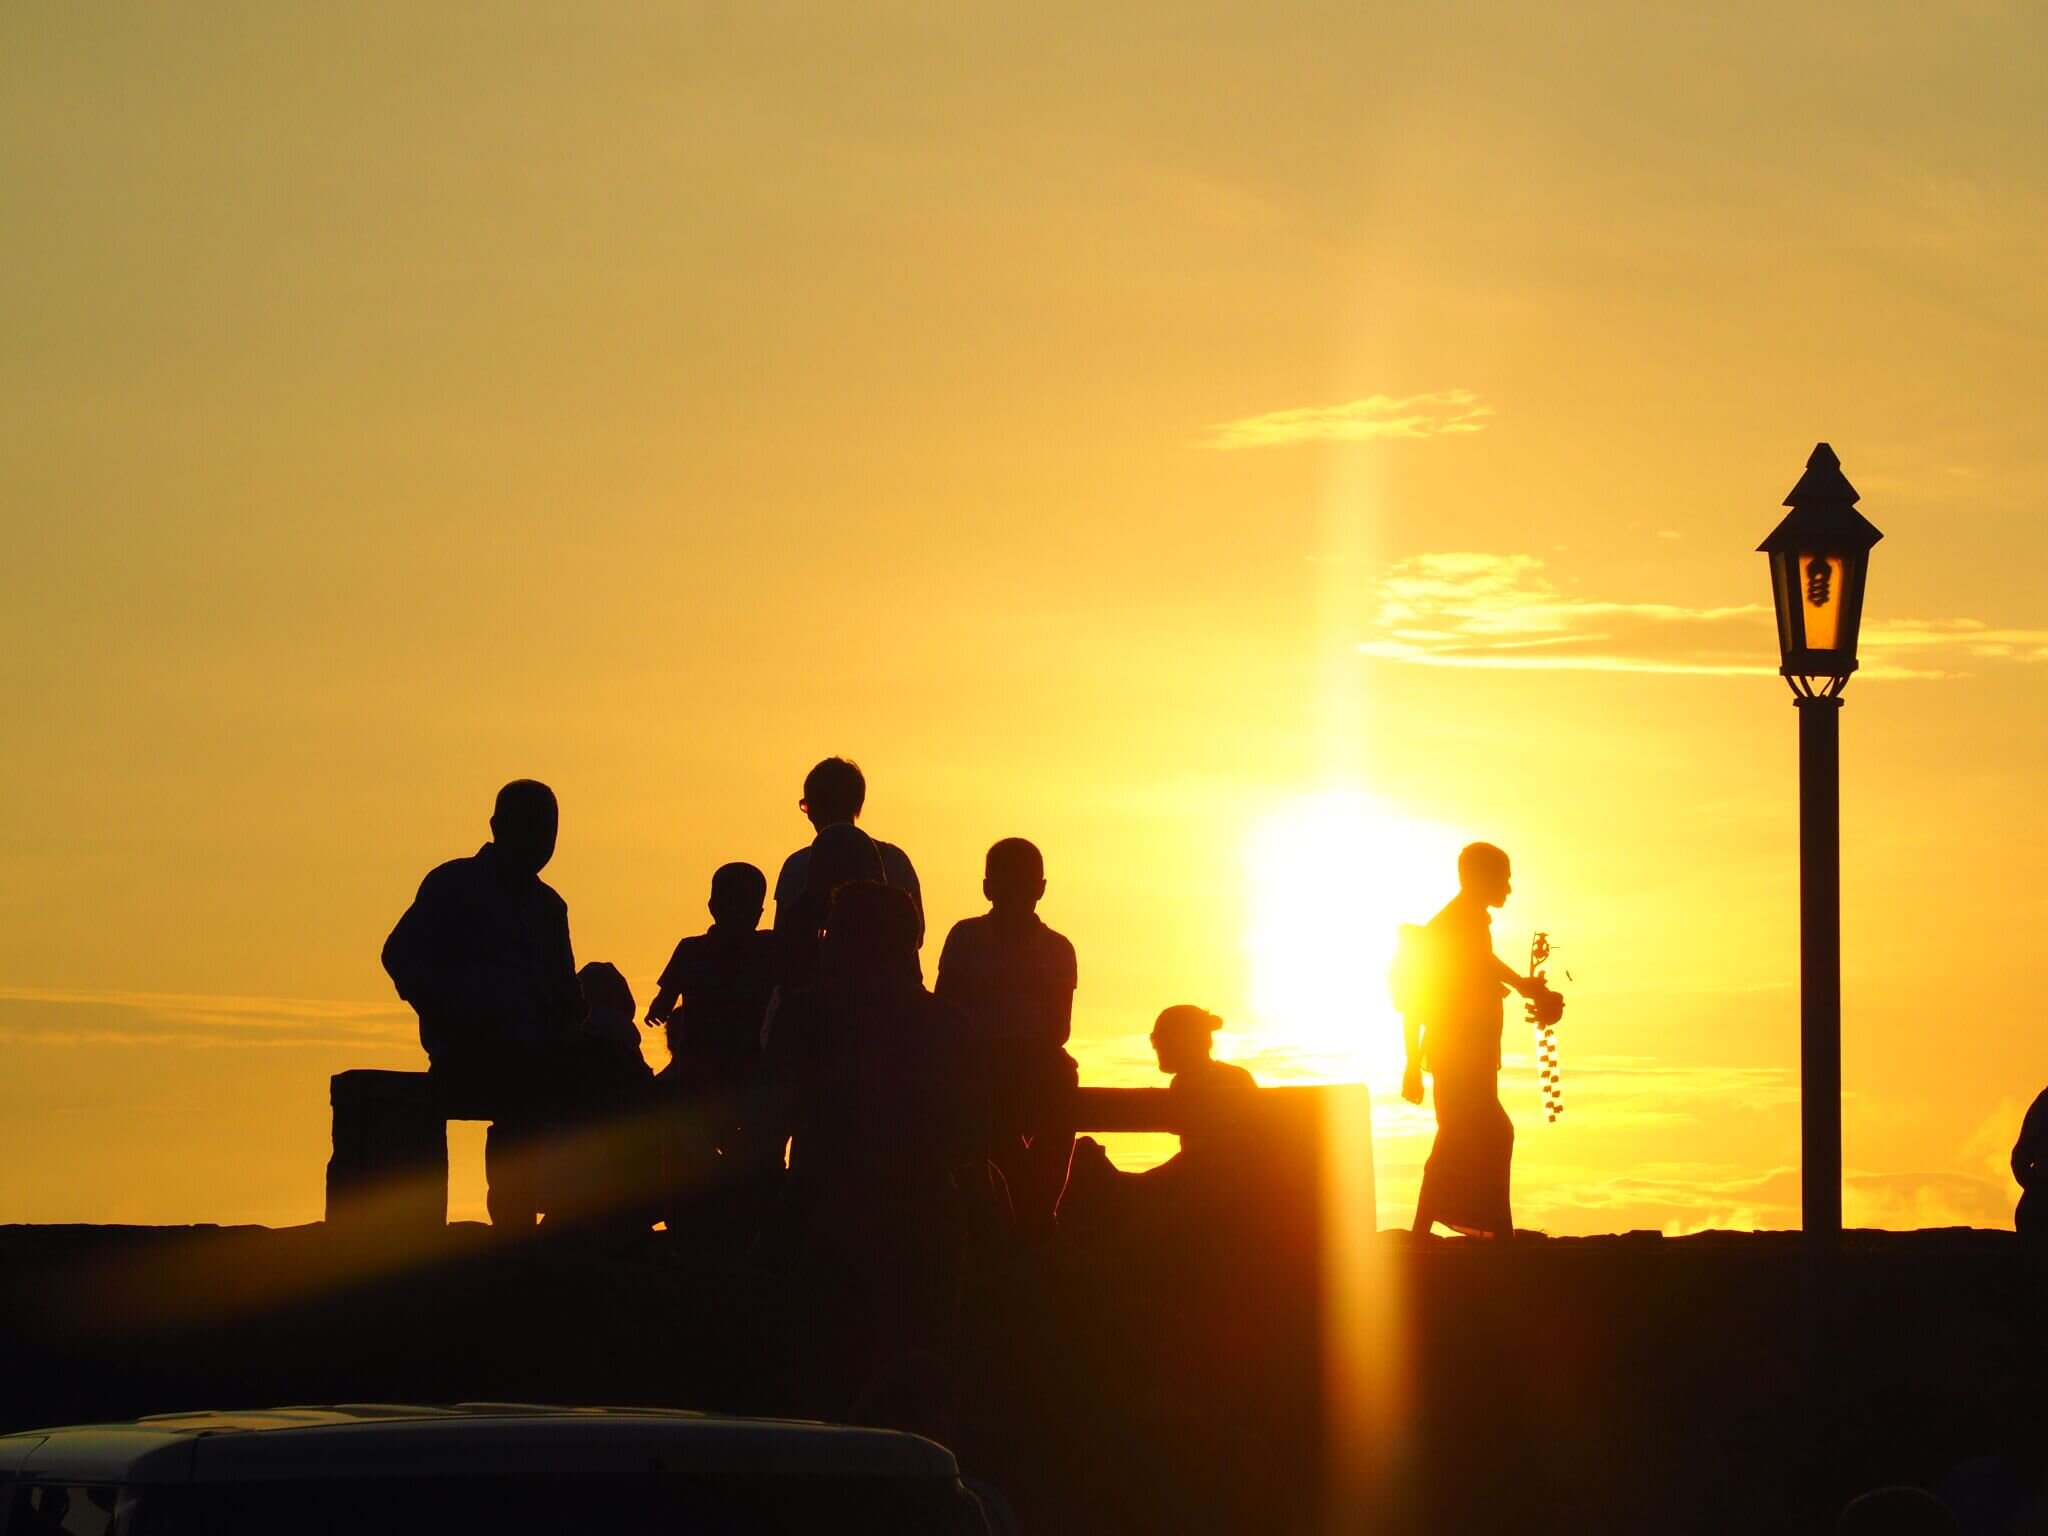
(512, 1150)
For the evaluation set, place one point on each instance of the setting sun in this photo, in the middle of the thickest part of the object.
(1332, 876)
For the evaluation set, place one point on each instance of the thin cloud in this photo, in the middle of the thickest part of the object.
(58, 1016)
(1376, 418)
(1467, 609)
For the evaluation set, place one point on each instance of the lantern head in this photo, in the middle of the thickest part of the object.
(1819, 557)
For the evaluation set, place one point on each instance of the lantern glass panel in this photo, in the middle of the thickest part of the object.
(1784, 577)
(1823, 597)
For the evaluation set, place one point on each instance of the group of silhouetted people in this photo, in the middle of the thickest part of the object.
(808, 1058)
(821, 1107)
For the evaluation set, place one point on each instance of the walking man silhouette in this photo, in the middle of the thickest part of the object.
(1451, 993)
(483, 955)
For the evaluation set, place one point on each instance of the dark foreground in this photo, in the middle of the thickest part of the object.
(1605, 1384)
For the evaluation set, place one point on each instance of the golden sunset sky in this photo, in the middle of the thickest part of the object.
(1248, 450)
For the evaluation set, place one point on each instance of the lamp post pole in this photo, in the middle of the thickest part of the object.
(1819, 557)
(1820, 968)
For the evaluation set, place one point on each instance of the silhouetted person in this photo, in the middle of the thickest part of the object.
(599, 1142)
(714, 991)
(713, 997)
(1457, 1003)
(1014, 979)
(883, 1096)
(2029, 1154)
(483, 956)
(1212, 1109)
(841, 854)
(834, 794)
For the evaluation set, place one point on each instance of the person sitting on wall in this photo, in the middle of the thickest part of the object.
(1212, 1107)
(483, 956)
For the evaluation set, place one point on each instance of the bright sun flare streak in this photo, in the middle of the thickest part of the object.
(1333, 875)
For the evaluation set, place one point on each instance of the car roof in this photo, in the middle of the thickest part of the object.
(362, 1440)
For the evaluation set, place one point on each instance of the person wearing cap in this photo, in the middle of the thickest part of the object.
(1211, 1108)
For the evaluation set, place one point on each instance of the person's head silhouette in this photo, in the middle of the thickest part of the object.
(834, 791)
(1484, 874)
(1183, 1036)
(524, 824)
(604, 986)
(870, 932)
(1014, 877)
(738, 893)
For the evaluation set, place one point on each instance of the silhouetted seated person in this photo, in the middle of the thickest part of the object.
(713, 998)
(835, 792)
(599, 1141)
(1014, 979)
(841, 854)
(1449, 985)
(2029, 1155)
(1213, 1109)
(483, 956)
(882, 1094)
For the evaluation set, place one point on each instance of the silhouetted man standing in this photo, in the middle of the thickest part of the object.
(1014, 979)
(1457, 999)
(834, 793)
(483, 956)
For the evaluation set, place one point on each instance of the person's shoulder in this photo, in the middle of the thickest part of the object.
(550, 897)
(1055, 941)
(792, 872)
(453, 876)
(892, 855)
(1230, 1075)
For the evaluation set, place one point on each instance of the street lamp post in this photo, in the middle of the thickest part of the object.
(1819, 556)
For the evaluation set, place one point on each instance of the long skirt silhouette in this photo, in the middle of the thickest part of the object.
(1465, 1181)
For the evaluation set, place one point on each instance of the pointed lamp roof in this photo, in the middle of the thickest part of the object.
(1823, 511)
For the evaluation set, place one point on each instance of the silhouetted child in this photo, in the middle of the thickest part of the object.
(714, 991)
(1014, 979)
(598, 1148)
(713, 996)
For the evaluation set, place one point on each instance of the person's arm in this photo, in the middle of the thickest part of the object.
(1061, 1005)
(950, 981)
(418, 955)
(668, 988)
(1411, 1073)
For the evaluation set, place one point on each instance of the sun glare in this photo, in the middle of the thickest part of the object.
(1332, 877)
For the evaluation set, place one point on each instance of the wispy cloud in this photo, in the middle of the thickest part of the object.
(58, 1016)
(1376, 418)
(1467, 609)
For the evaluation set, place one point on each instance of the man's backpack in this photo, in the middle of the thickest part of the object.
(1414, 980)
